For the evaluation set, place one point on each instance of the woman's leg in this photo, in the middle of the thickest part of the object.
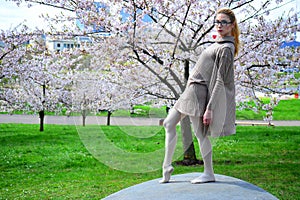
(170, 124)
(206, 151)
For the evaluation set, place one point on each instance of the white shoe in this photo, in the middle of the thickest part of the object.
(204, 178)
(166, 174)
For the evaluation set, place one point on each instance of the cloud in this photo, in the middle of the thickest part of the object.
(12, 15)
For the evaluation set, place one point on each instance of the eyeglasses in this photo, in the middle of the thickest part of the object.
(222, 23)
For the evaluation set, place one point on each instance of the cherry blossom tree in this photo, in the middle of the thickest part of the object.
(92, 93)
(32, 77)
(14, 49)
(167, 47)
(154, 44)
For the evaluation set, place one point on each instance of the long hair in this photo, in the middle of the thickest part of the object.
(235, 31)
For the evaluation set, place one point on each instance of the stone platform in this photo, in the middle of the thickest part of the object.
(225, 188)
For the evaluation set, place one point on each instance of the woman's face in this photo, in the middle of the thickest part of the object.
(223, 25)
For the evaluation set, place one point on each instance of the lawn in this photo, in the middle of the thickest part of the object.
(62, 161)
(286, 110)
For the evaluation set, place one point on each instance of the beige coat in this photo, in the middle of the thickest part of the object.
(215, 70)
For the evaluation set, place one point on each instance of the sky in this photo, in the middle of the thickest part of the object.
(11, 15)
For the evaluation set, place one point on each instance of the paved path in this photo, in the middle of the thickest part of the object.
(72, 120)
(34, 119)
(180, 188)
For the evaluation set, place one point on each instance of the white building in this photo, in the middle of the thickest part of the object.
(60, 45)
(63, 44)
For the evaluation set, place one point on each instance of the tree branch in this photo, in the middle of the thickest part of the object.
(156, 74)
(6, 53)
(52, 5)
(259, 66)
(263, 88)
(160, 96)
(161, 62)
(256, 46)
(183, 23)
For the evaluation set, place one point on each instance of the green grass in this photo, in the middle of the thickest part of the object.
(286, 110)
(55, 164)
(142, 111)
(297, 75)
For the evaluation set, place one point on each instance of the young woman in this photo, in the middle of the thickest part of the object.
(209, 98)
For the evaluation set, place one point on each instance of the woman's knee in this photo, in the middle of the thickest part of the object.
(168, 124)
(172, 119)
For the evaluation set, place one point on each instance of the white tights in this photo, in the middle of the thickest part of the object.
(170, 124)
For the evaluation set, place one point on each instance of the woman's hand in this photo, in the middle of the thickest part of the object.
(207, 117)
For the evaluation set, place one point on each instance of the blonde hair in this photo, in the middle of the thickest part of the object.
(235, 31)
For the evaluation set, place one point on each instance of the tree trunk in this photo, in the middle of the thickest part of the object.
(42, 112)
(84, 114)
(42, 116)
(186, 130)
(187, 141)
(186, 69)
(108, 117)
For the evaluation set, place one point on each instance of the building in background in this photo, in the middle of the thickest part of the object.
(65, 44)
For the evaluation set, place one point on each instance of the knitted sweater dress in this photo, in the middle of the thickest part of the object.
(211, 86)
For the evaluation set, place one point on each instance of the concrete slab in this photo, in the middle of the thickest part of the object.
(225, 188)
